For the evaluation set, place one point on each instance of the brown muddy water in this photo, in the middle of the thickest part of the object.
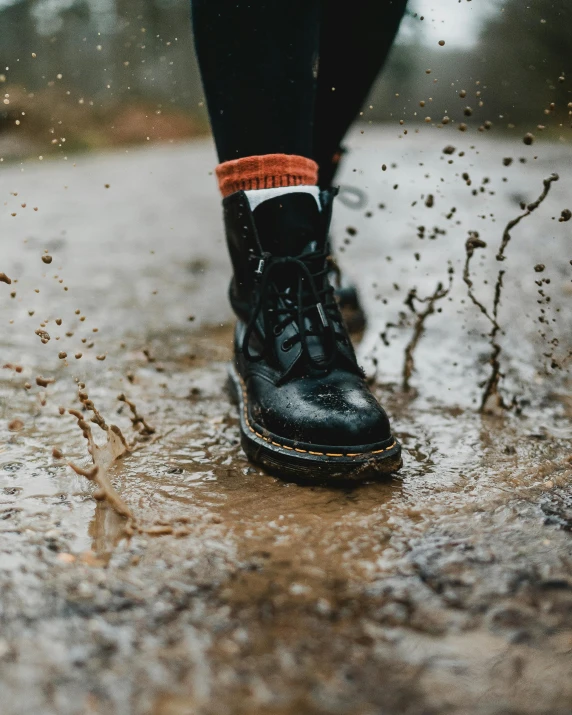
(221, 589)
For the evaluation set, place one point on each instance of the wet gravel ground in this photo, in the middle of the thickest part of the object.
(447, 589)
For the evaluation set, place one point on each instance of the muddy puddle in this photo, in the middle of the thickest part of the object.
(214, 587)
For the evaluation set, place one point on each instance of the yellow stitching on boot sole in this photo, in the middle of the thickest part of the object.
(297, 449)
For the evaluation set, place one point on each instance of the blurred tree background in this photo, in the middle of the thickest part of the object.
(84, 74)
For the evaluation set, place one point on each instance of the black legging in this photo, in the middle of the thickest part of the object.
(289, 76)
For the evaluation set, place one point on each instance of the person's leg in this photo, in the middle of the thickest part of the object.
(354, 43)
(305, 408)
(257, 63)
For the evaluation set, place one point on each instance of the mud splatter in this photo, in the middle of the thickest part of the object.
(103, 457)
(138, 421)
(43, 335)
(529, 209)
(492, 401)
(116, 447)
(429, 302)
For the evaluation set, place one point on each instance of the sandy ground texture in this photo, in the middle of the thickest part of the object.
(221, 589)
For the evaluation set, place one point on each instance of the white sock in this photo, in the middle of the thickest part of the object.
(257, 196)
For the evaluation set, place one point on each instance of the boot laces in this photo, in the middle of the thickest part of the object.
(308, 295)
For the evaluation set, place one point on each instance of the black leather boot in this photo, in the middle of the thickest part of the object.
(305, 408)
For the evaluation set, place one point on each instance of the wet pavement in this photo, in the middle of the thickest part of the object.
(446, 589)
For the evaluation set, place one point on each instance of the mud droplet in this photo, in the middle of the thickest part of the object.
(528, 139)
(56, 453)
(16, 425)
(62, 355)
(539, 267)
(566, 215)
(44, 381)
(43, 335)
(430, 201)
(47, 259)
(4, 279)
(449, 149)
(441, 43)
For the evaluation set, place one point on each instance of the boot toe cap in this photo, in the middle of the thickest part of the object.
(337, 410)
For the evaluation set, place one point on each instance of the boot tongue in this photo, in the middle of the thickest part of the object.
(291, 225)
(288, 224)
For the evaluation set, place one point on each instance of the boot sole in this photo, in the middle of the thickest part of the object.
(307, 463)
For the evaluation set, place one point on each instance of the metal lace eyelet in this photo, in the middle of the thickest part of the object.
(286, 346)
(278, 330)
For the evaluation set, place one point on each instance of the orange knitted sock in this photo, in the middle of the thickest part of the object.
(268, 171)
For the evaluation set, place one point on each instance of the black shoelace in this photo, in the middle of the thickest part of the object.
(309, 292)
